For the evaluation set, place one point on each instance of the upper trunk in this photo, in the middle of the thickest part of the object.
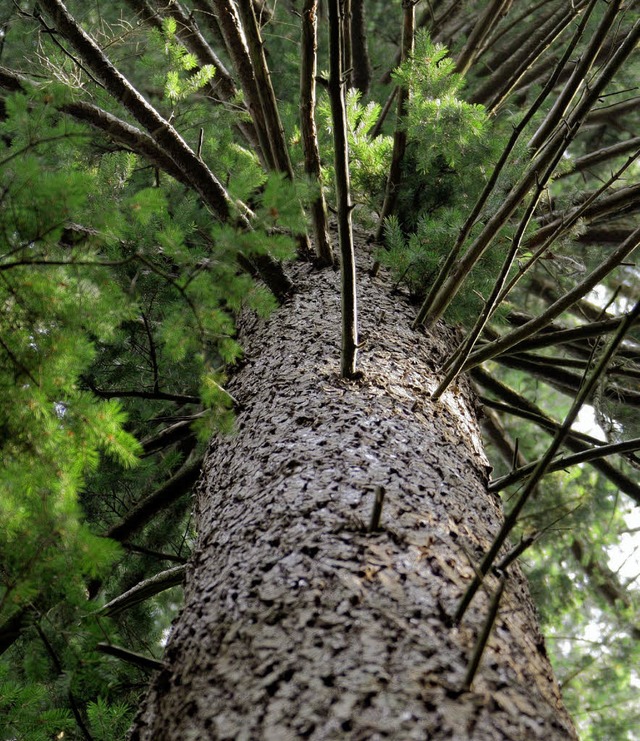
(298, 622)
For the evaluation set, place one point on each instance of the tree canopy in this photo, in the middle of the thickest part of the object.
(161, 166)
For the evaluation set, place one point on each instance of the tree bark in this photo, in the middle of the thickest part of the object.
(299, 622)
(400, 133)
(343, 191)
(308, 130)
(361, 73)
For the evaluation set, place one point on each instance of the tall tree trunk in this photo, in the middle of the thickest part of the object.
(312, 163)
(361, 74)
(400, 134)
(299, 621)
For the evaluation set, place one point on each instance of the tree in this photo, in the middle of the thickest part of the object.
(350, 569)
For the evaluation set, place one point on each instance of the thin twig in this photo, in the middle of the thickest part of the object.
(376, 511)
(474, 663)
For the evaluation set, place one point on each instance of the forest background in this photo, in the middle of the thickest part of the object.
(151, 191)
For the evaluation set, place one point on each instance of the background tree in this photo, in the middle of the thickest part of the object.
(153, 172)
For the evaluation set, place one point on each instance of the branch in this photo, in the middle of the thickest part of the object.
(551, 337)
(620, 201)
(483, 638)
(592, 205)
(601, 155)
(137, 517)
(578, 76)
(442, 293)
(543, 464)
(312, 164)
(496, 348)
(225, 18)
(586, 456)
(153, 554)
(161, 131)
(394, 178)
(153, 395)
(128, 135)
(139, 660)
(12, 628)
(517, 405)
(178, 431)
(189, 34)
(534, 43)
(564, 380)
(492, 15)
(145, 589)
(266, 93)
(434, 293)
(459, 357)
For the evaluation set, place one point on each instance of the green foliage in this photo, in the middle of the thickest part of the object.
(183, 77)
(369, 158)
(24, 712)
(107, 283)
(108, 721)
(55, 311)
(450, 152)
(444, 127)
(119, 299)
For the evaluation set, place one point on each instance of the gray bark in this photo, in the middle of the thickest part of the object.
(299, 623)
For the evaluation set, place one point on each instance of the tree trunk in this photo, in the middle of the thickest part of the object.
(299, 622)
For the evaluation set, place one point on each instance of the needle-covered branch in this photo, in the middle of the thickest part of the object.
(161, 131)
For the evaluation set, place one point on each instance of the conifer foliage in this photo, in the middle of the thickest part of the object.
(161, 165)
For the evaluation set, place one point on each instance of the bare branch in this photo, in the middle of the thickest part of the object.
(564, 462)
(177, 486)
(143, 590)
(139, 660)
(400, 134)
(493, 349)
(543, 464)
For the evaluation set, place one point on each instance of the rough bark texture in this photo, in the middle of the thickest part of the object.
(299, 623)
